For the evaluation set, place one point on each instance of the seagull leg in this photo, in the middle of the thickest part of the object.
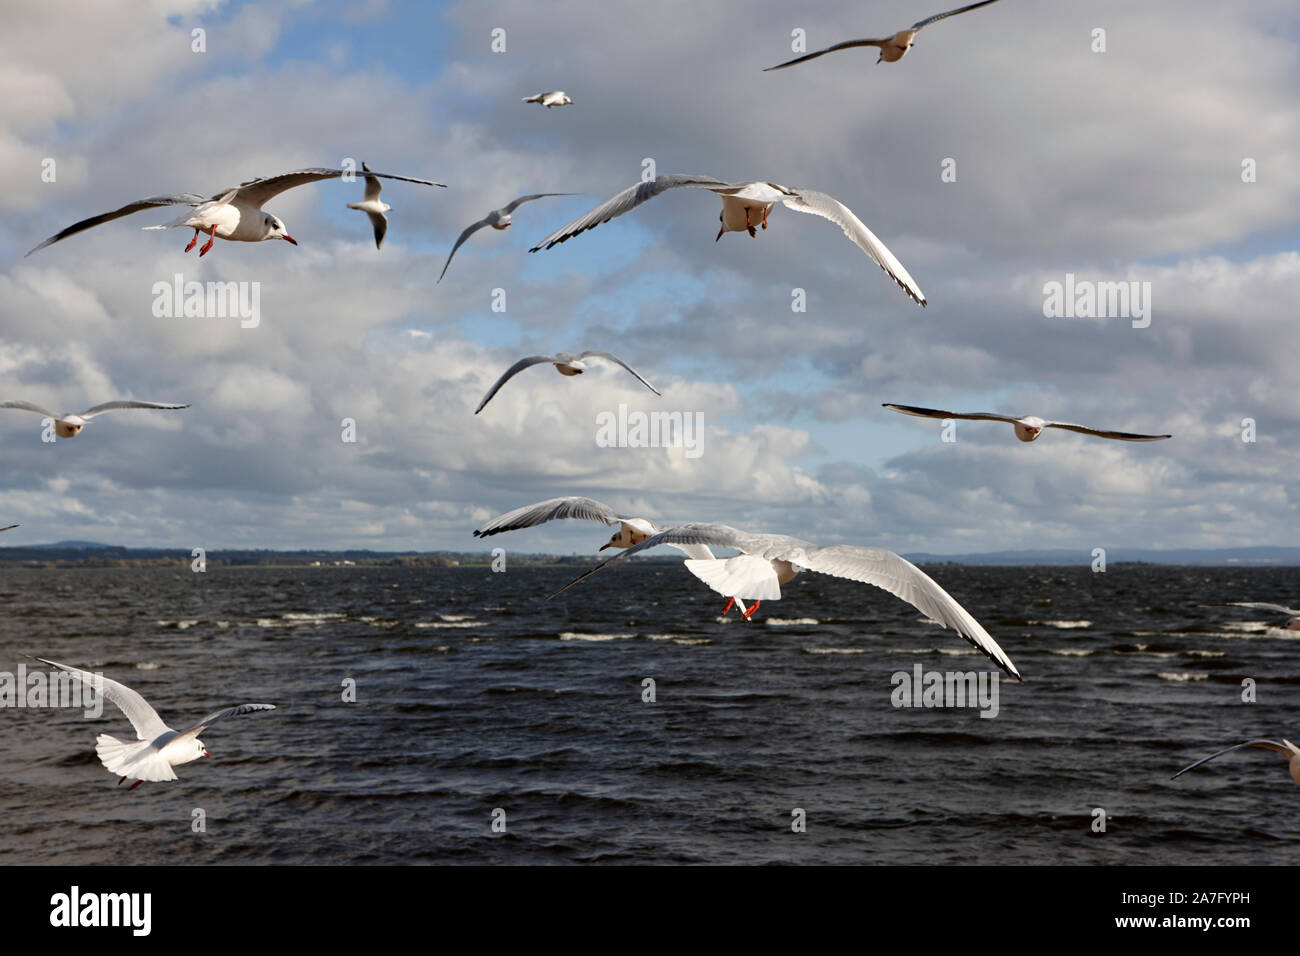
(193, 242)
(730, 601)
(752, 608)
(119, 780)
(764, 217)
(134, 785)
(208, 245)
(748, 226)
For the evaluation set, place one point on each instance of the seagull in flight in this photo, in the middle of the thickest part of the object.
(157, 747)
(892, 49)
(566, 363)
(550, 100)
(631, 530)
(372, 206)
(1293, 613)
(68, 425)
(1285, 748)
(1027, 428)
(745, 206)
(767, 561)
(235, 214)
(497, 219)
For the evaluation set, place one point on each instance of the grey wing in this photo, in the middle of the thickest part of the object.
(148, 725)
(1121, 436)
(625, 201)
(1269, 744)
(820, 204)
(469, 231)
(111, 406)
(511, 372)
(515, 204)
(951, 13)
(211, 719)
(940, 413)
(379, 222)
(618, 361)
(1259, 606)
(257, 191)
(903, 579)
(9, 528)
(846, 45)
(184, 199)
(552, 509)
(29, 407)
(373, 186)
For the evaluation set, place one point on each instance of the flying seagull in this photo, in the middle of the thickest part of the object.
(745, 205)
(767, 561)
(566, 363)
(630, 531)
(1286, 748)
(373, 207)
(892, 49)
(550, 100)
(497, 219)
(1293, 613)
(157, 747)
(1027, 428)
(68, 425)
(235, 213)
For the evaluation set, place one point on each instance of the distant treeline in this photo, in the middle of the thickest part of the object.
(116, 557)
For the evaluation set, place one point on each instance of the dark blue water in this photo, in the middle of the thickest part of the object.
(474, 693)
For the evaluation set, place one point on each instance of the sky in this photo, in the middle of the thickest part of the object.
(1123, 164)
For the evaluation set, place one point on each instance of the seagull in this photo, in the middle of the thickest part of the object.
(1286, 748)
(497, 219)
(1027, 428)
(161, 748)
(892, 49)
(235, 213)
(68, 425)
(372, 206)
(767, 561)
(631, 531)
(551, 99)
(745, 205)
(566, 363)
(1292, 625)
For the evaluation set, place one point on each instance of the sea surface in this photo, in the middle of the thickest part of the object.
(476, 696)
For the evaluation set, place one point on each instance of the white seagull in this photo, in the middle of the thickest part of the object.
(767, 561)
(235, 213)
(566, 363)
(1293, 613)
(68, 425)
(157, 747)
(1027, 428)
(892, 49)
(745, 205)
(630, 531)
(551, 99)
(373, 207)
(497, 219)
(1286, 748)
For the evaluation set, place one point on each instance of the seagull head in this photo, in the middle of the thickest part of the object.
(275, 229)
(202, 749)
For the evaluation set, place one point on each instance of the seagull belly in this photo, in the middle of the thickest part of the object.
(741, 215)
(568, 368)
(238, 224)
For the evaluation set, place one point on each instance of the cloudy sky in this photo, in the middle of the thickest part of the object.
(1122, 165)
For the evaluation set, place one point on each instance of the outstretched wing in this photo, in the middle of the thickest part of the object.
(516, 203)
(211, 719)
(9, 528)
(846, 45)
(618, 361)
(29, 407)
(586, 509)
(257, 191)
(820, 204)
(148, 725)
(1268, 744)
(1121, 436)
(940, 413)
(183, 199)
(903, 579)
(625, 201)
(111, 406)
(469, 231)
(951, 13)
(373, 186)
(511, 372)
(1259, 606)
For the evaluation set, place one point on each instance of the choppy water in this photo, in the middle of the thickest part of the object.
(474, 693)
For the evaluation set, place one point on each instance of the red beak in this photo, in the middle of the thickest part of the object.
(206, 754)
(290, 239)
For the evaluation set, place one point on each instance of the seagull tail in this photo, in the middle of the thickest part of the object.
(115, 754)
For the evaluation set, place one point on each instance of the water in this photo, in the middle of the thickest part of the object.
(474, 693)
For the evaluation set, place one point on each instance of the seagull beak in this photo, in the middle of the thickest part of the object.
(206, 754)
(604, 546)
(290, 239)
